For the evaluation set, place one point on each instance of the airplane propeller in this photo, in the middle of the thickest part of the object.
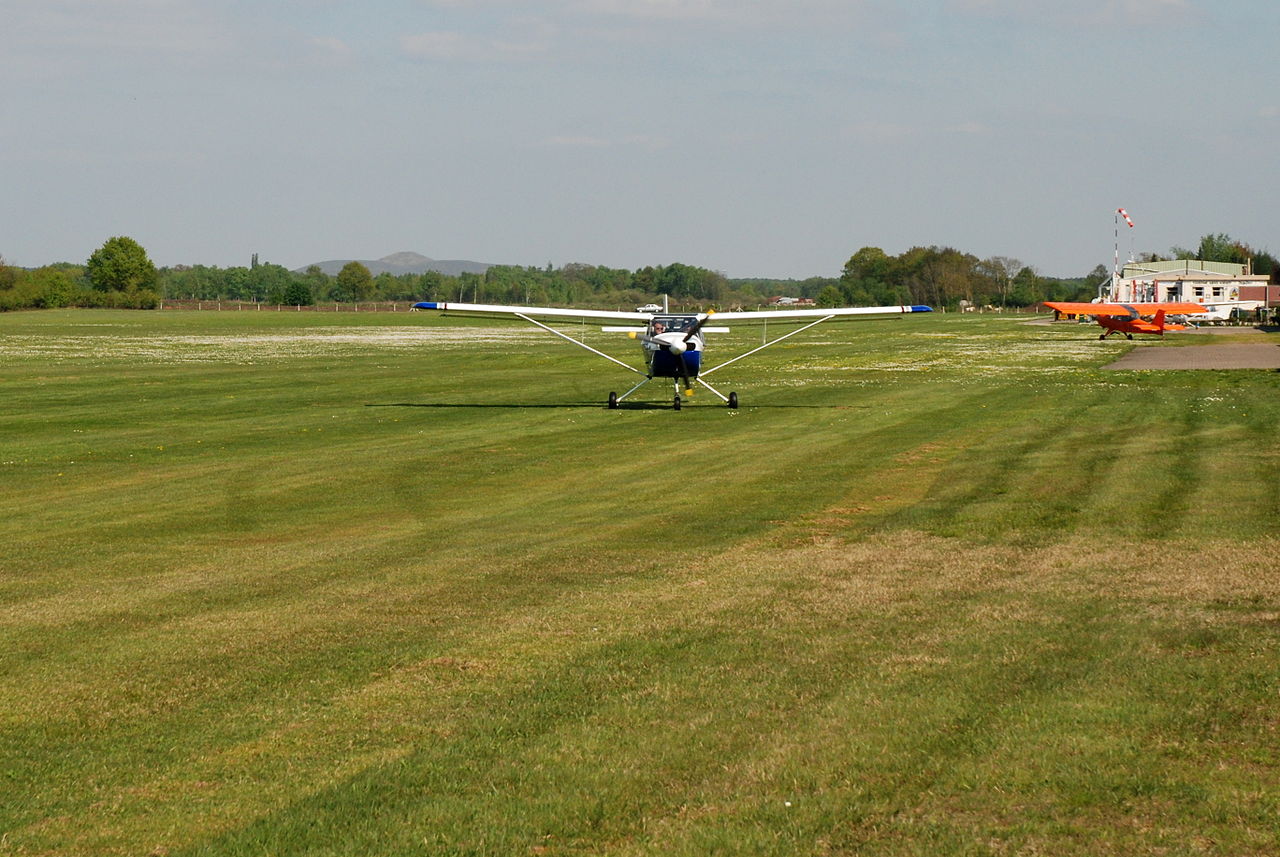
(677, 347)
(697, 326)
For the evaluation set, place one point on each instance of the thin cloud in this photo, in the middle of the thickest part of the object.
(879, 132)
(155, 26)
(970, 129)
(1084, 13)
(449, 46)
(661, 10)
(570, 141)
(791, 14)
(333, 46)
(578, 142)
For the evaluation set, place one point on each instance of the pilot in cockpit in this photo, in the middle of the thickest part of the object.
(679, 324)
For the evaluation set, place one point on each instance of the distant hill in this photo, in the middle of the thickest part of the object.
(404, 263)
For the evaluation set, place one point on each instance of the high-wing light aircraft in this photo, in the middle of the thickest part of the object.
(1129, 318)
(673, 343)
(1224, 310)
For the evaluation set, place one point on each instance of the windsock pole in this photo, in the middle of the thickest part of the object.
(1115, 272)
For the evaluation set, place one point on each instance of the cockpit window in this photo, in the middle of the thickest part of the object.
(673, 323)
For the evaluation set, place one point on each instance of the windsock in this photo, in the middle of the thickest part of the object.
(1125, 215)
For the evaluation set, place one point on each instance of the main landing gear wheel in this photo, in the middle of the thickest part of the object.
(733, 401)
(676, 404)
(613, 401)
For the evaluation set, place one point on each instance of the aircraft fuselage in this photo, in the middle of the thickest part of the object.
(667, 353)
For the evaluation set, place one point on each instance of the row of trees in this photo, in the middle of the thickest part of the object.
(945, 277)
(1223, 248)
(571, 284)
(119, 274)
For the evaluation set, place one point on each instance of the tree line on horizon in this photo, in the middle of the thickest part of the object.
(120, 275)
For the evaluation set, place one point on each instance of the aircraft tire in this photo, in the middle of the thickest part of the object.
(733, 401)
(676, 404)
(613, 401)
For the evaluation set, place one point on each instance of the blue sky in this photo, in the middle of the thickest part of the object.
(761, 139)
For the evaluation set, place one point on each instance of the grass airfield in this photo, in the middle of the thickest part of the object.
(281, 583)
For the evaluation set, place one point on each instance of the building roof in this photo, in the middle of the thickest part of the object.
(1189, 269)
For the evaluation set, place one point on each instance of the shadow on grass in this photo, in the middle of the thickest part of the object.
(568, 406)
(622, 406)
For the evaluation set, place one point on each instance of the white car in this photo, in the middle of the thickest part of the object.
(649, 308)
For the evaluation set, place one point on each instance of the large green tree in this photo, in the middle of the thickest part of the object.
(121, 265)
(8, 275)
(872, 277)
(296, 293)
(317, 281)
(354, 283)
(1223, 248)
(1027, 287)
(432, 285)
(269, 281)
(830, 296)
(998, 273)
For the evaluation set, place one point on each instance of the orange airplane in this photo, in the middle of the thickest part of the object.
(1129, 318)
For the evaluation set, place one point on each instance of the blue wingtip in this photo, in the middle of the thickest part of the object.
(922, 309)
(425, 305)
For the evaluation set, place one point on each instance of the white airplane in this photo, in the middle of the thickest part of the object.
(1222, 310)
(673, 342)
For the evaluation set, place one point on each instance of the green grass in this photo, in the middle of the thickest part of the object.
(284, 583)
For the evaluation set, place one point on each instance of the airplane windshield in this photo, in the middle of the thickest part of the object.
(673, 323)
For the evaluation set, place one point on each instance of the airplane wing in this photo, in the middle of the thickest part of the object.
(496, 310)
(835, 314)
(1172, 308)
(518, 312)
(1078, 308)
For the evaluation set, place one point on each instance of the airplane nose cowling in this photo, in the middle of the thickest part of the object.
(678, 347)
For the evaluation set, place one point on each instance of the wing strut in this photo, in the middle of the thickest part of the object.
(577, 343)
(722, 396)
(767, 344)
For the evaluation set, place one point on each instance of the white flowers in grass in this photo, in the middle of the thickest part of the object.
(256, 347)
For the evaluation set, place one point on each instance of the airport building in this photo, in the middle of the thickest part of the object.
(1191, 280)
